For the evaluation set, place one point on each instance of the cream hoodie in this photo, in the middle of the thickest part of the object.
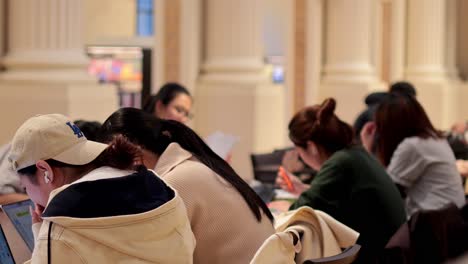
(322, 236)
(109, 216)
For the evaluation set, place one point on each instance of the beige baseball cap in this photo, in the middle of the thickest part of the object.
(51, 136)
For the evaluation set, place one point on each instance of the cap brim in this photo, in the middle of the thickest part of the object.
(82, 153)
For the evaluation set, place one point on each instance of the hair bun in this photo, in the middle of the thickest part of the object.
(326, 110)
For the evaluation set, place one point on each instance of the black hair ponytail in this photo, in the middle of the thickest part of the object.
(156, 134)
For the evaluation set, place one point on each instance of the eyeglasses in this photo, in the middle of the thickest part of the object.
(182, 111)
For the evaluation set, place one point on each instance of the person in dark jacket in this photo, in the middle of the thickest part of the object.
(350, 185)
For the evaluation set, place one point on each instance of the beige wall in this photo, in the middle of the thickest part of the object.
(275, 27)
(2, 28)
(109, 19)
(252, 113)
(462, 39)
(79, 100)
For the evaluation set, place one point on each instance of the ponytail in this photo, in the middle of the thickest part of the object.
(156, 135)
(179, 133)
(120, 154)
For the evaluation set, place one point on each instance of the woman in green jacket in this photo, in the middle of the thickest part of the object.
(350, 184)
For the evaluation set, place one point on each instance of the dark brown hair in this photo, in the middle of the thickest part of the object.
(319, 124)
(121, 154)
(398, 117)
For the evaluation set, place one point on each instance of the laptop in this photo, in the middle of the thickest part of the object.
(20, 217)
(265, 191)
(6, 257)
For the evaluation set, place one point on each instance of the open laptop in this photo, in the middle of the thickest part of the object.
(6, 257)
(20, 217)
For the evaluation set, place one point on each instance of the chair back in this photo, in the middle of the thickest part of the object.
(348, 256)
(266, 165)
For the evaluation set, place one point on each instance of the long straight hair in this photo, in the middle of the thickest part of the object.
(398, 117)
(155, 135)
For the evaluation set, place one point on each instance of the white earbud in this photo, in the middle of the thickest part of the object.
(46, 177)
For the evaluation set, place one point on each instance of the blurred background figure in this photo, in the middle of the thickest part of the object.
(9, 181)
(373, 100)
(173, 102)
(417, 156)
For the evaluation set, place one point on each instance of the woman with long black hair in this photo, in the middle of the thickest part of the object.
(229, 220)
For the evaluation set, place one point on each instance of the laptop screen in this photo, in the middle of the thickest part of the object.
(5, 253)
(21, 218)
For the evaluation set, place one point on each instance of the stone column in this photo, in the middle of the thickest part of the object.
(177, 47)
(431, 58)
(314, 49)
(2, 30)
(45, 35)
(350, 54)
(46, 66)
(426, 40)
(233, 38)
(397, 45)
(349, 41)
(234, 94)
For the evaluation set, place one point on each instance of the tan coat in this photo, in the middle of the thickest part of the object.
(322, 236)
(161, 235)
(225, 229)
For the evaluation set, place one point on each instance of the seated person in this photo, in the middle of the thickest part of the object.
(350, 184)
(172, 102)
(417, 157)
(229, 220)
(9, 181)
(91, 205)
(373, 100)
(458, 140)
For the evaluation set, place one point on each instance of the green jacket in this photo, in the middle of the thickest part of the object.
(355, 189)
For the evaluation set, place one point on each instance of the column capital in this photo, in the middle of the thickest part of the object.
(45, 34)
(431, 41)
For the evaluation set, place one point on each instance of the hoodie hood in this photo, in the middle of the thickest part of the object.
(130, 215)
(136, 193)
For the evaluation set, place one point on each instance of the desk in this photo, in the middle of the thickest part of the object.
(12, 197)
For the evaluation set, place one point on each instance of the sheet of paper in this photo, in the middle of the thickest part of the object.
(221, 143)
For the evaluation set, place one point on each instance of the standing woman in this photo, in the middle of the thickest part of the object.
(229, 220)
(172, 102)
(417, 157)
(350, 184)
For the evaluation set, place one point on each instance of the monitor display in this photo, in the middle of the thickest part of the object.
(127, 67)
(19, 215)
(120, 65)
(5, 253)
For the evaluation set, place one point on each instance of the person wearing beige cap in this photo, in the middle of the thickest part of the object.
(94, 203)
